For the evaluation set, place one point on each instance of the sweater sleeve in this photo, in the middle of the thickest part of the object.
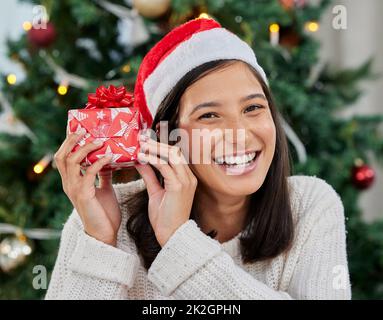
(322, 271)
(191, 265)
(86, 268)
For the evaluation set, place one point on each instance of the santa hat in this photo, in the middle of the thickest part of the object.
(185, 47)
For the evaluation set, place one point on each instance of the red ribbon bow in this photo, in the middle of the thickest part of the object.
(111, 97)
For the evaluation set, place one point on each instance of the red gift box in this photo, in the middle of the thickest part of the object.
(111, 117)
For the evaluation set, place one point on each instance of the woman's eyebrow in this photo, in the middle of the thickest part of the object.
(253, 96)
(216, 103)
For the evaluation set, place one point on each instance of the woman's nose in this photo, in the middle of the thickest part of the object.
(237, 131)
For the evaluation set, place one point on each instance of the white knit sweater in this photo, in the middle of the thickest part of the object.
(192, 265)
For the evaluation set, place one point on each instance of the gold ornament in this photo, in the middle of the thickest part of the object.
(13, 252)
(151, 8)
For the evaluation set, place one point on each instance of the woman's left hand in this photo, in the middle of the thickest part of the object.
(169, 207)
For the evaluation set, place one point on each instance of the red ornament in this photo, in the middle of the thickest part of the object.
(362, 176)
(42, 38)
(289, 4)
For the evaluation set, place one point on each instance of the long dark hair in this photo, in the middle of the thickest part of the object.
(269, 223)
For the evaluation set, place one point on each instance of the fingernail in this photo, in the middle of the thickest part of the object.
(80, 137)
(81, 131)
(143, 144)
(98, 142)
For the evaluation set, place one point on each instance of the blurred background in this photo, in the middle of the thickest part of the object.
(324, 61)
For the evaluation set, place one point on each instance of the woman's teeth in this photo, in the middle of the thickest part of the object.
(236, 160)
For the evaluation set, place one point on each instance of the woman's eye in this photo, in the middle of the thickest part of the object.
(207, 115)
(253, 107)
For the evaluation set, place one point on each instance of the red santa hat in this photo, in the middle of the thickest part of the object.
(185, 47)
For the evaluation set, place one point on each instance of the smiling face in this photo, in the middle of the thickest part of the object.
(238, 132)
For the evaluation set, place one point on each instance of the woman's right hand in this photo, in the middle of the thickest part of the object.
(97, 206)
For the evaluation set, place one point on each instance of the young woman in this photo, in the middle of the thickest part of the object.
(234, 227)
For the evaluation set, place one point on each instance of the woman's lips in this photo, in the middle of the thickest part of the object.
(240, 169)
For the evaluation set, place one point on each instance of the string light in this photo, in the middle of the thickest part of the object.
(358, 162)
(312, 26)
(126, 68)
(203, 15)
(274, 28)
(274, 33)
(11, 79)
(43, 163)
(27, 25)
(38, 168)
(62, 89)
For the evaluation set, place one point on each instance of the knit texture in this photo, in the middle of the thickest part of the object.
(192, 265)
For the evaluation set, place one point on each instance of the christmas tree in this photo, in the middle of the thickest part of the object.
(76, 45)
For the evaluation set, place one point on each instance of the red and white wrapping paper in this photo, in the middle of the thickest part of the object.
(111, 117)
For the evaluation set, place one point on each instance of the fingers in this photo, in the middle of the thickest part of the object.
(105, 177)
(74, 159)
(93, 170)
(172, 154)
(163, 150)
(150, 178)
(81, 153)
(65, 148)
(166, 171)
